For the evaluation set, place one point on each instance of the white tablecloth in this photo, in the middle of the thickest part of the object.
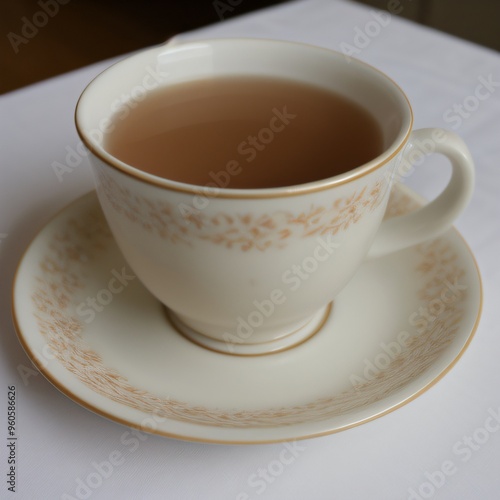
(394, 457)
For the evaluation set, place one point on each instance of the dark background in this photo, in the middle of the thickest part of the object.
(86, 31)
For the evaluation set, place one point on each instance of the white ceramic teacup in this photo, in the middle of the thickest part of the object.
(253, 271)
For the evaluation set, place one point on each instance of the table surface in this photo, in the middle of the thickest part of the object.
(394, 457)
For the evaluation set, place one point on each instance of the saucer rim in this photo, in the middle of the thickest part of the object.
(53, 379)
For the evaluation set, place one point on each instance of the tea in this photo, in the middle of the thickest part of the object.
(245, 132)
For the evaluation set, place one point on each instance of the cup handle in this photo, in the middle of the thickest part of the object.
(433, 219)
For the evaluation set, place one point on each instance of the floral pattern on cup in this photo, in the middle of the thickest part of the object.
(243, 231)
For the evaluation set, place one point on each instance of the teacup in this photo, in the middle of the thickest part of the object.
(254, 271)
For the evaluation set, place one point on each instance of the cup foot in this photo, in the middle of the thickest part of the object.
(239, 348)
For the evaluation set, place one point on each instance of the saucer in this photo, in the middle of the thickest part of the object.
(103, 340)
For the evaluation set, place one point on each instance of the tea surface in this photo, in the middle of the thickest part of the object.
(244, 132)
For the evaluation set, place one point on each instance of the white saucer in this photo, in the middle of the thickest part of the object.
(396, 329)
